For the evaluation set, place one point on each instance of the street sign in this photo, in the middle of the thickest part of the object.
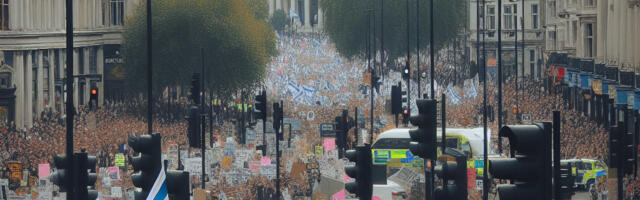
(526, 118)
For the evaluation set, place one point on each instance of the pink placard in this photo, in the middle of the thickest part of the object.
(339, 195)
(346, 178)
(329, 144)
(254, 165)
(114, 173)
(43, 170)
(265, 160)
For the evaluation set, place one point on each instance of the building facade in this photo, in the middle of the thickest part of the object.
(33, 53)
(529, 61)
(603, 31)
(310, 16)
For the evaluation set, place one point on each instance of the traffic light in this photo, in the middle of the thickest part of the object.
(530, 167)
(396, 100)
(147, 164)
(194, 93)
(405, 71)
(93, 97)
(614, 146)
(423, 139)
(566, 181)
(456, 171)
(363, 186)
(62, 175)
(277, 118)
(405, 107)
(260, 107)
(194, 126)
(86, 177)
(178, 184)
(627, 150)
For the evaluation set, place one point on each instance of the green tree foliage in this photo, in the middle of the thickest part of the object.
(237, 44)
(346, 23)
(279, 20)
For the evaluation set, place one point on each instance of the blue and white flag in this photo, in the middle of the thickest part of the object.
(293, 13)
(159, 189)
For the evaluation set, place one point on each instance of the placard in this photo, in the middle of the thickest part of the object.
(329, 144)
(43, 170)
(116, 192)
(119, 161)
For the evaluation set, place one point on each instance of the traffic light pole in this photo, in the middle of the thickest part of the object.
(355, 129)
(556, 154)
(69, 106)
(203, 124)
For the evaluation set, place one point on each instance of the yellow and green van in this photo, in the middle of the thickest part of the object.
(586, 171)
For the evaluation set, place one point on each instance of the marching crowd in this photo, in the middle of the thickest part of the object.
(306, 60)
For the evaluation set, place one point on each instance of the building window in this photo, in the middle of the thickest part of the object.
(34, 80)
(491, 17)
(589, 3)
(56, 73)
(508, 17)
(552, 8)
(534, 16)
(4, 15)
(117, 12)
(532, 63)
(93, 63)
(574, 32)
(588, 40)
(80, 61)
(8, 58)
(45, 76)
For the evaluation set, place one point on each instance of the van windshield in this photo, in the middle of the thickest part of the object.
(392, 143)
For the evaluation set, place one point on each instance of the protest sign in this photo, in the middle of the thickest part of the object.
(329, 144)
(114, 173)
(319, 151)
(193, 166)
(119, 161)
(43, 170)
(266, 160)
(116, 192)
(226, 161)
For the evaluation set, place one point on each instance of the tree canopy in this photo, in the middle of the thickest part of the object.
(236, 38)
(346, 23)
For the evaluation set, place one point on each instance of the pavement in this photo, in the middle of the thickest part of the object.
(581, 195)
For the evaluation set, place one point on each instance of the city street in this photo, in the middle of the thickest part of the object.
(319, 99)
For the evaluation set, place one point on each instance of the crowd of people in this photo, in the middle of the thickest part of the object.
(310, 77)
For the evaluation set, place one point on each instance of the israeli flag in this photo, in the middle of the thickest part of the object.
(159, 189)
(293, 14)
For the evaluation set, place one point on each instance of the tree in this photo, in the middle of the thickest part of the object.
(279, 20)
(346, 23)
(237, 44)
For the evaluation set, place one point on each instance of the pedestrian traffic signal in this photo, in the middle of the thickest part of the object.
(194, 93)
(405, 71)
(193, 134)
(362, 187)
(456, 171)
(63, 173)
(86, 177)
(423, 138)
(178, 184)
(396, 100)
(627, 150)
(260, 107)
(530, 169)
(147, 164)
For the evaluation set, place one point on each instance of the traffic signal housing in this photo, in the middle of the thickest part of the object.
(147, 164)
(423, 138)
(456, 171)
(405, 107)
(93, 97)
(362, 172)
(178, 184)
(260, 108)
(194, 93)
(193, 132)
(567, 179)
(86, 177)
(396, 100)
(614, 146)
(530, 165)
(61, 176)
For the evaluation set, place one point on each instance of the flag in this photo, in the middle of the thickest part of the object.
(293, 13)
(159, 189)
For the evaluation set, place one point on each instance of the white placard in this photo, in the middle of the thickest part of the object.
(116, 192)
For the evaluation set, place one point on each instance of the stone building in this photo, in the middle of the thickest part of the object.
(309, 12)
(32, 53)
